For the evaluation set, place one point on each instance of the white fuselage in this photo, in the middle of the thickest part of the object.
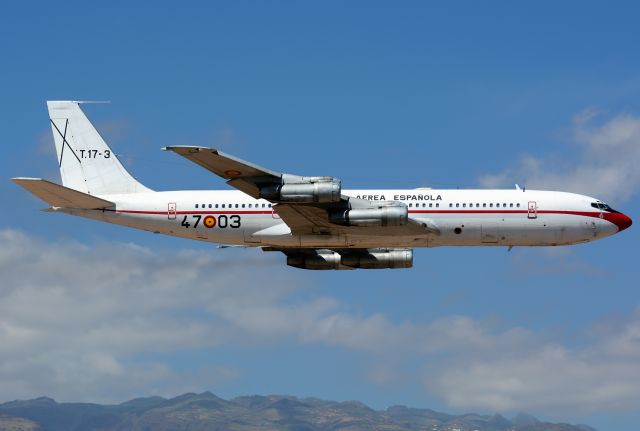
(462, 217)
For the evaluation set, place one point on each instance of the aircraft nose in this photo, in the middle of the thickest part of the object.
(621, 220)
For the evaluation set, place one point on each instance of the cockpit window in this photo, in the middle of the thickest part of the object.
(604, 207)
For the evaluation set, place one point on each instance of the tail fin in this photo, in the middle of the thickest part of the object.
(87, 164)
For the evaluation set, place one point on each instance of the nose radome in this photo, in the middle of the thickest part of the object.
(621, 220)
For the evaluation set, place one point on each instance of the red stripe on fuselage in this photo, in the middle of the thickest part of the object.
(187, 212)
(595, 214)
(580, 213)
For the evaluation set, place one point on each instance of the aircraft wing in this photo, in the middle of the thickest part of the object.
(306, 219)
(239, 174)
(308, 205)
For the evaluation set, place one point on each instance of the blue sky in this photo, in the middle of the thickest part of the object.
(379, 94)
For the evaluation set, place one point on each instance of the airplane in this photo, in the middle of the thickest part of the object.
(311, 219)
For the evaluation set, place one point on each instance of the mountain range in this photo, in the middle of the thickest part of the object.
(205, 411)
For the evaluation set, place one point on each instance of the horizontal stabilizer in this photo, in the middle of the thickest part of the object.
(61, 196)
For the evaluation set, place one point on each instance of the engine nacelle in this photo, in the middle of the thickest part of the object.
(321, 259)
(304, 190)
(380, 259)
(387, 214)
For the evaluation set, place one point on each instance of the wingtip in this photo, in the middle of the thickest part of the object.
(80, 102)
(190, 148)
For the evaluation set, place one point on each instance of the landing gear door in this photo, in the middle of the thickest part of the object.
(532, 210)
(171, 211)
(489, 232)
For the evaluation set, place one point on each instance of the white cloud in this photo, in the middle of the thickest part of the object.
(603, 375)
(605, 165)
(74, 320)
(95, 323)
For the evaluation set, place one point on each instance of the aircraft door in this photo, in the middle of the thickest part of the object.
(171, 211)
(532, 210)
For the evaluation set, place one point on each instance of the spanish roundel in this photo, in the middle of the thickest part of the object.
(209, 221)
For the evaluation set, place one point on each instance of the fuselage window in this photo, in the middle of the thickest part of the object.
(464, 205)
(242, 205)
(430, 205)
(490, 205)
(450, 205)
(457, 205)
(477, 205)
(269, 205)
(484, 205)
(222, 205)
(518, 205)
(410, 205)
(216, 205)
(511, 205)
(504, 205)
(210, 206)
(196, 205)
(437, 205)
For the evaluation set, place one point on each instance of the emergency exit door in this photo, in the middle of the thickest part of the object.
(171, 211)
(532, 211)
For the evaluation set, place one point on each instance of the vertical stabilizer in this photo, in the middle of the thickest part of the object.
(87, 164)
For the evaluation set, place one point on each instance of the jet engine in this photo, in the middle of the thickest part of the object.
(385, 214)
(380, 259)
(303, 190)
(319, 259)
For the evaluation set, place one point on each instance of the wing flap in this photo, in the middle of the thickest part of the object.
(61, 196)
